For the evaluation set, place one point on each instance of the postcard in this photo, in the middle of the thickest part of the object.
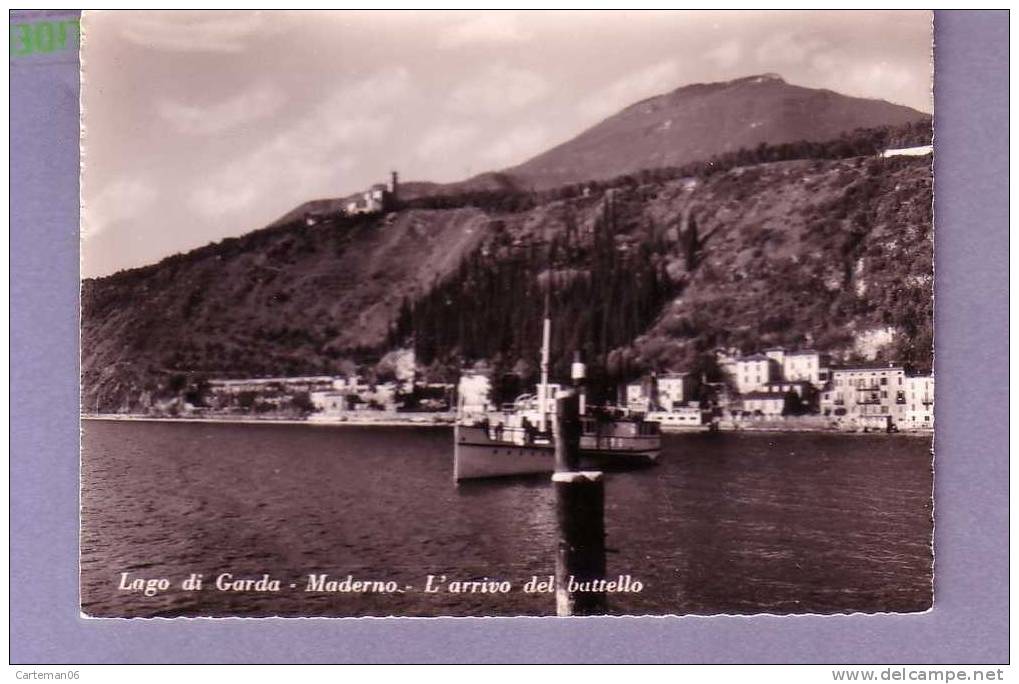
(509, 313)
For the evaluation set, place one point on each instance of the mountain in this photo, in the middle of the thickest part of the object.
(286, 300)
(735, 214)
(693, 123)
(650, 275)
(656, 276)
(700, 121)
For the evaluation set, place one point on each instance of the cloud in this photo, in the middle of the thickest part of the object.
(311, 156)
(865, 79)
(653, 79)
(726, 55)
(196, 31)
(445, 139)
(516, 145)
(124, 199)
(238, 111)
(487, 29)
(820, 63)
(790, 49)
(498, 89)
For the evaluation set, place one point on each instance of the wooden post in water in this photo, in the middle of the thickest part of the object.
(566, 432)
(580, 514)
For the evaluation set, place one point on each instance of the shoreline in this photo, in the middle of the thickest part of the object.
(389, 422)
(861, 433)
(235, 420)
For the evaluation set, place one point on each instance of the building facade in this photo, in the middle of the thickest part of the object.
(801, 388)
(663, 392)
(473, 393)
(638, 396)
(879, 395)
(673, 390)
(767, 404)
(679, 417)
(356, 397)
(751, 373)
(379, 197)
(263, 385)
(919, 412)
(806, 366)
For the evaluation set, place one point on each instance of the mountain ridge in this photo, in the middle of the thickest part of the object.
(702, 120)
(325, 296)
(534, 174)
(782, 253)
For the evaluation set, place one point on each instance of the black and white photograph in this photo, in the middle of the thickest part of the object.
(506, 313)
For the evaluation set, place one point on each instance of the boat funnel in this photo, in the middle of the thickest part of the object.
(578, 371)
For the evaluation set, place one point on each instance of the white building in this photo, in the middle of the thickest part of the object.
(768, 404)
(659, 392)
(673, 390)
(474, 392)
(355, 395)
(806, 366)
(638, 396)
(919, 408)
(919, 151)
(330, 402)
(866, 394)
(375, 199)
(750, 373)
(679, 417)
(370, 201)
(802, 389)
(269, 385)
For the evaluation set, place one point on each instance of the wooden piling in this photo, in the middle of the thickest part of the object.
(580, 514)
(566, 432)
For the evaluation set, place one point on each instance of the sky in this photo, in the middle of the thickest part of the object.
(203, 125)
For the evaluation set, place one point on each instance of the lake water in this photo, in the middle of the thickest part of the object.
(726, 523)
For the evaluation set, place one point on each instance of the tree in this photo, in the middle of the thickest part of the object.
(385, 370)
(302, 402)
(793, 405)
(197, 393)
(176, 383)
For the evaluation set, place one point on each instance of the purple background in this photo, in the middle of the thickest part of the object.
(969, 623)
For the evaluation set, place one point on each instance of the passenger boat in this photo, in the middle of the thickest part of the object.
(517, 439)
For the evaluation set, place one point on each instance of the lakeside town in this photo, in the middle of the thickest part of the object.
(769, 389)
(774, 389)
(633, 309)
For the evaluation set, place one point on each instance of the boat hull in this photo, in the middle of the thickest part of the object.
(476, 455)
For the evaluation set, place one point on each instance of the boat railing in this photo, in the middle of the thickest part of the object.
(514, 434)
(609, 442)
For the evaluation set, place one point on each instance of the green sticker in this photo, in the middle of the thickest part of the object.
(43, 37)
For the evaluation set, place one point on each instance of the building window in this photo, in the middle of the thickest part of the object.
(884, 381)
